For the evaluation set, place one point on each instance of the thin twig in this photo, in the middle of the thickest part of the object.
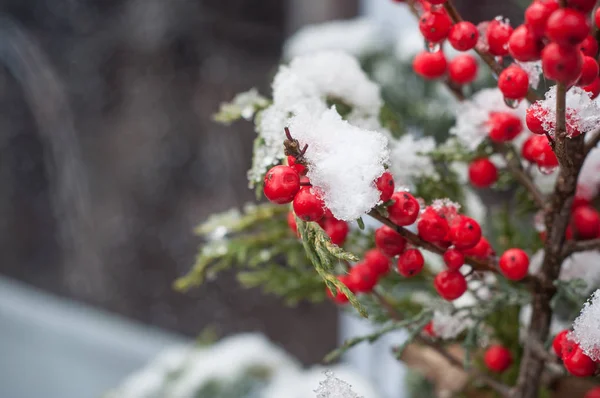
(581, 246)
(513, 164)
(495, 385)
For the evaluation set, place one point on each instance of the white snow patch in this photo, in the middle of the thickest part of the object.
(357, 37)
(583, 114)
(586, 328)
(472, 116)
(589, 178)
(344, 161)
(409, 158)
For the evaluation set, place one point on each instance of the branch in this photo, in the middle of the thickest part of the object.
(495, 385)
(581, 246)
(513, 164)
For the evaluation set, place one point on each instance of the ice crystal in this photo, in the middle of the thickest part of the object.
(586, 328)
(333, 387)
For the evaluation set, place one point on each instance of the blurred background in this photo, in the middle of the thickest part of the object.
(108, 159)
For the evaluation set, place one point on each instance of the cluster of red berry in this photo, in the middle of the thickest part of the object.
(574, 359)
(436, 26)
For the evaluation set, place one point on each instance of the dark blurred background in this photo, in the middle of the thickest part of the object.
(109, 156)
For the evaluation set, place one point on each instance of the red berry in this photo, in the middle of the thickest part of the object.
(337, 230)
(300, 168)
(589, 71)
(405, 209)
(533, 147)
(562, 64)
(362, 278)
(593, 88)
(428, 330)
(450, 285)
(482, 173)
(586, 222)
(533, 118)
(544, 155)
(385, 185)
(597, 17)
(463, 36)
(589, 46)
(308, 205)
(537, 14)
(583, 6)
(593, 393)
(462, 69)
(282, 183)
(524, 45)
(497, 35)
(410, 263)
(498, 358)
(432, 227)
(430, 65)
(514, 264)
(577, 363)
(291, 221)
(339, 298)
(504, 126)
(513, 82)
(465, 233)
(389, 241)
(482, 249)
(436, 2)
(567, 27)
(377, 261)
(557, 343)
(453, 259)
(435, 25)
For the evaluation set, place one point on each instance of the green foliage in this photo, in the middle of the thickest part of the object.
(244, 105)
(260, 244)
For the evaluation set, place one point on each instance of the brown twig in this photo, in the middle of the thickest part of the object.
(581, 246)
(495, 385)
(513, 164)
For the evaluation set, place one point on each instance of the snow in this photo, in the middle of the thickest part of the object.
(448, 326)
(473, 115)
(583, 114)
(343, 161)
(409, 158)
(534, 72)
(333, 387)
(586, 328)
(305, 86)
(357, 37)
(589, 178)
(581, 265)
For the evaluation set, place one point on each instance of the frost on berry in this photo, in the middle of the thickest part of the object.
(472, 116)
(583, 114)
(446, 208)
(344, 161)
(533, 70)
(357, 37)
(333, 387)
(305, 85)
(586, 328)
(409, 158)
